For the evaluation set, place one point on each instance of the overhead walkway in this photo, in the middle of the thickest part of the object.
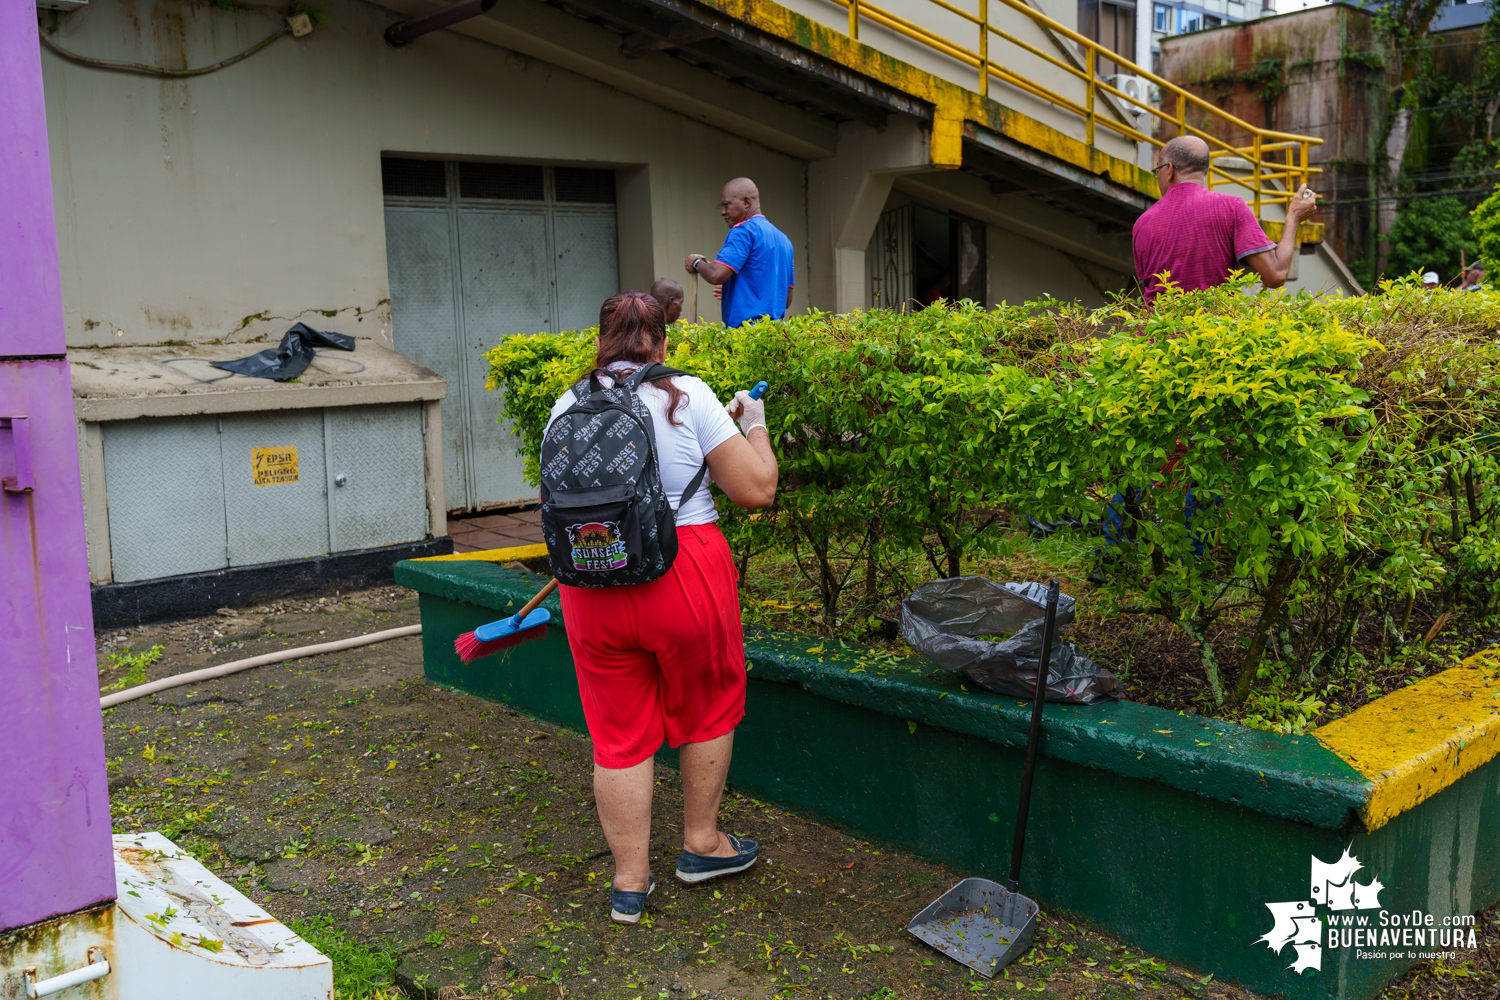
(1008, 92)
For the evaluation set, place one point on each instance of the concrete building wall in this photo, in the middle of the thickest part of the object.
(229, 205)
(1018, 267)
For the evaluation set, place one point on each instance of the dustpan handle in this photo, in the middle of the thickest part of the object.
(1035, 737)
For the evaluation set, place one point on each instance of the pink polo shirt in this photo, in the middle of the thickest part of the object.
(1198, 235)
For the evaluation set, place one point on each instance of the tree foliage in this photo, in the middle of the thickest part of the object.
(1487, 228)
(1430, 235)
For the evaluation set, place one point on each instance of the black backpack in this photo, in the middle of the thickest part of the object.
(605, 516)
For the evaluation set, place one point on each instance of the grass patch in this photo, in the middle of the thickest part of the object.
(134, 665)
(359, 971)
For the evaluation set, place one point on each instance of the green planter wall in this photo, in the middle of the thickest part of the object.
(1169, 830)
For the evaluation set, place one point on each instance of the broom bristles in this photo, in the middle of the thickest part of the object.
(469, 648)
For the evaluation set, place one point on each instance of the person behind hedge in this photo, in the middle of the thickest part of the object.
(754, 270)
(1196, 236)
(665, 660)
(1473, 277)
(668, 294)
(1430, 281)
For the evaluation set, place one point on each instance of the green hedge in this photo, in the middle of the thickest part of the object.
(1338, 456)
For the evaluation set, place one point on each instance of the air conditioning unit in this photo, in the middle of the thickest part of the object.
(1137, 87)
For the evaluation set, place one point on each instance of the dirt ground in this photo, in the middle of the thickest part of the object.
(462, 837)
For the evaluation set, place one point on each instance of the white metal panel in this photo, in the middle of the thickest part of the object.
(182, 933)
(424, 317)
(588, 264)
(285, 520)
(165, 485)
(376, 484)
(506, 288)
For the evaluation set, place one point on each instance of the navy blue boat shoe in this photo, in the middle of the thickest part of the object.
(626, 907)
(701, 867)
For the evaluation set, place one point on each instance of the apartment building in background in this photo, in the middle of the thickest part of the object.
(1172, 18)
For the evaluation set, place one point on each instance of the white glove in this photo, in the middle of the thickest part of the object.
(751, 413)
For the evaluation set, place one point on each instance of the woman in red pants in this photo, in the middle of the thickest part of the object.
(665, 660)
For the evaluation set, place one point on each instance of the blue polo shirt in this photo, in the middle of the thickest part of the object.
(760, 256)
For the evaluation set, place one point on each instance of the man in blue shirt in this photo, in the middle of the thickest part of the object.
(754, 268)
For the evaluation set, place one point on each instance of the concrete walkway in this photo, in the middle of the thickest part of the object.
(495, 531)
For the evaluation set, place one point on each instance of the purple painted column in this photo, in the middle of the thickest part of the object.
(54, 801)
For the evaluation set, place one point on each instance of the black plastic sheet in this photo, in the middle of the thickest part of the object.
(943, 618)
(291, 357)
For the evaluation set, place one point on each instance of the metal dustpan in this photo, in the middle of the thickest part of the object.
(983, 924)
(980, 923)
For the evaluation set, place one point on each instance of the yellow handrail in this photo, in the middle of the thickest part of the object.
(1273, 156)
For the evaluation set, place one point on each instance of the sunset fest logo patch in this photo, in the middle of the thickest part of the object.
(597, 546)
(1355, 919)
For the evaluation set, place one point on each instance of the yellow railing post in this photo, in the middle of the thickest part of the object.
(984, 47)
(1088, 122)
(1255, 173)
(854, 19)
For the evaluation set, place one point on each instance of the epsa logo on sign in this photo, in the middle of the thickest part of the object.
(1347, 907)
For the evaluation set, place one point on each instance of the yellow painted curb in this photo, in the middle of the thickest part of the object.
(492, 555)
(1415, 742)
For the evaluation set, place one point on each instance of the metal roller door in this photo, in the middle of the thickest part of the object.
(480, 251)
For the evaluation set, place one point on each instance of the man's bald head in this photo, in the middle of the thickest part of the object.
(739, 200)
(1188, 153)
(669, 294)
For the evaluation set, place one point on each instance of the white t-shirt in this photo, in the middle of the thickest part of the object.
(680, 448)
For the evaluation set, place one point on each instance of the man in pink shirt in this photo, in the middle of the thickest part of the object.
(1199, 235)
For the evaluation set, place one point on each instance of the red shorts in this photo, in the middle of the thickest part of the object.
(663, 660)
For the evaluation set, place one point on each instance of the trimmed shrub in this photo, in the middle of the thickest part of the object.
(1268, 456)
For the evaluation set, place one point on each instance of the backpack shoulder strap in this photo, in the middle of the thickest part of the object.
(649, 373)
(692, 487)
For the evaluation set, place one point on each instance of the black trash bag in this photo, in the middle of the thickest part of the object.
(291, 358)
(941, 618)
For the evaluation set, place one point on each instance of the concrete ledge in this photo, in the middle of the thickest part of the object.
(124, 383)
(518, 553)
(117, 605)
(1173, 831)
(1413, 743)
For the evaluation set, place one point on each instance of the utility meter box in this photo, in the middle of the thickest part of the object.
(189, 470)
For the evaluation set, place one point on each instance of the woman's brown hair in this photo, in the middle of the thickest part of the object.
(632, 330)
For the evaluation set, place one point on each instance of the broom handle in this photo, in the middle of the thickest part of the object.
(1035, 736)
(541, 596)
(693, 300)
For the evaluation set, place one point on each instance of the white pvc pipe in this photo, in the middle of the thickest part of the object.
(47, 987)
(235, 666)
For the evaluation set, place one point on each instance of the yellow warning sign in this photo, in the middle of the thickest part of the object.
(274, 465)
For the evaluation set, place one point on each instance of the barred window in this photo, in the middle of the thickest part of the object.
(403, 178)
(500, 180)
(596, 187)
